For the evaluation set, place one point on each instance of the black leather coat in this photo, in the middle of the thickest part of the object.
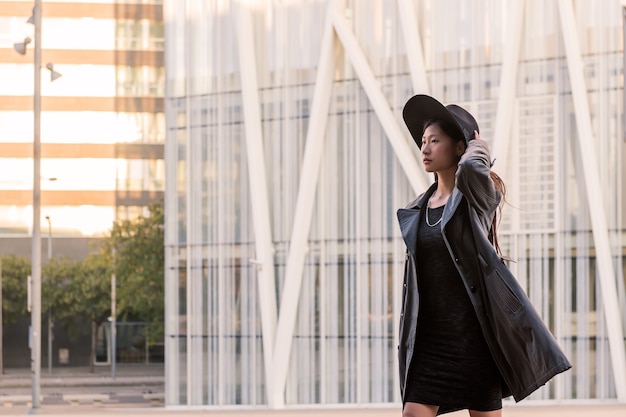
(524, 350)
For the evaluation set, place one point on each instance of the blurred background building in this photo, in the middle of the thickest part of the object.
(102, 127)
(287, 158)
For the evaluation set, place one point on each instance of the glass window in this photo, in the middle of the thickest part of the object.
(81, 81)
(64, 220)
(139, 34)
(83, 33)
(70, 174)
(76, 80)
(84, 127)
(137, 174)
(141, 81)
(21, 76)
(142, 127)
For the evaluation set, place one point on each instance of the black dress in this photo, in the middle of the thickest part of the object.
(451, 366)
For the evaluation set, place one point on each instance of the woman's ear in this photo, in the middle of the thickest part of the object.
(460, 148)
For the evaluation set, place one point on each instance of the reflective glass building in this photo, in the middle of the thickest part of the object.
(287, 158)
(102, 122)
(102, 135)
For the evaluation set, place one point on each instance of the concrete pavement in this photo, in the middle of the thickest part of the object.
(134, 384)
(129, 395)
(584, 410)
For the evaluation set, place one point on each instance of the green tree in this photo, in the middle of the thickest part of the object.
(78, 292)
(15, 272)
(139, 263)
(94, 287)
(57, 296)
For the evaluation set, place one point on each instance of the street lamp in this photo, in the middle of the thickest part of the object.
(53, 74)
(35, 353)
(35, 314)
(20, 47)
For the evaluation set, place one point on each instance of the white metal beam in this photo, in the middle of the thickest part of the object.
(594, 196)
(413, 46)
(315, 140)
(258, 190)
(396, 137)
(172, 353)
(188, 209)
(508, 85)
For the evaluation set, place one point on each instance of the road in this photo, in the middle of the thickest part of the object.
(137, 391)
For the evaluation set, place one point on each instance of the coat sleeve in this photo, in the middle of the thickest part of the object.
(473, 180)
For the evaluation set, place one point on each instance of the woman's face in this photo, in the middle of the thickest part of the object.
(439, 151)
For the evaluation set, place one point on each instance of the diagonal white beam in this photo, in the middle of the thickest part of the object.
(315, 140)
(258, 189)
(508, 85)
(397, 139)
(413, 46)
(594, 197)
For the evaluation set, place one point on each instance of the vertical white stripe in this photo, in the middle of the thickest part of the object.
(258, 189)
(399, 142)
(413, 46)
(594, 195)
(508, 82)
(303, 215)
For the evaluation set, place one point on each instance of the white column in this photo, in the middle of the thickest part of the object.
(190, 374)
(594, 196)
(395, 135)
(315, 139)
(258, 190)
(172, 348)
(413, 46)
(508, 86)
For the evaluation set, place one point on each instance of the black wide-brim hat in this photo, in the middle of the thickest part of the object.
(422, 108)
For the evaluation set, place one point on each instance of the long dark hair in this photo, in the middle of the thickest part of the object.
(493, 231)
(452, 131)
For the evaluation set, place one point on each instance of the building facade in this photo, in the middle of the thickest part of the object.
(102, 121)
(287, 158)
(102, 127)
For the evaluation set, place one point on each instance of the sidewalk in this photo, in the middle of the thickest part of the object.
(134, 385)
(606, 410)
(125, 374)
(138, 379)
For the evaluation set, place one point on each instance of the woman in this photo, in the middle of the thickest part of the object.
(468, 334)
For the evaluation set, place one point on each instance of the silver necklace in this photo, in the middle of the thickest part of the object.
(437, 222)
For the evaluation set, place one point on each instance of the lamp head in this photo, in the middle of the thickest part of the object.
(53, 74)
(31, 19)
(20, 47)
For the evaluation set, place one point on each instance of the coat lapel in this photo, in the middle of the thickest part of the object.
(409, 219)
(453, 203)
(409, 224)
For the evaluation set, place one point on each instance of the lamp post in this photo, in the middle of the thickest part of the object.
(50, 309)
(35, 353)
(49, 237)
(113, 325)
(35, 314)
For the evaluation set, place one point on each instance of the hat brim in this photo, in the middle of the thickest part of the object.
(421, 108)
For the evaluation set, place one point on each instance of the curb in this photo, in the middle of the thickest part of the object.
(82, 381)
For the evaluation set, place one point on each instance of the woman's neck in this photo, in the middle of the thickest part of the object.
(445, 185)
